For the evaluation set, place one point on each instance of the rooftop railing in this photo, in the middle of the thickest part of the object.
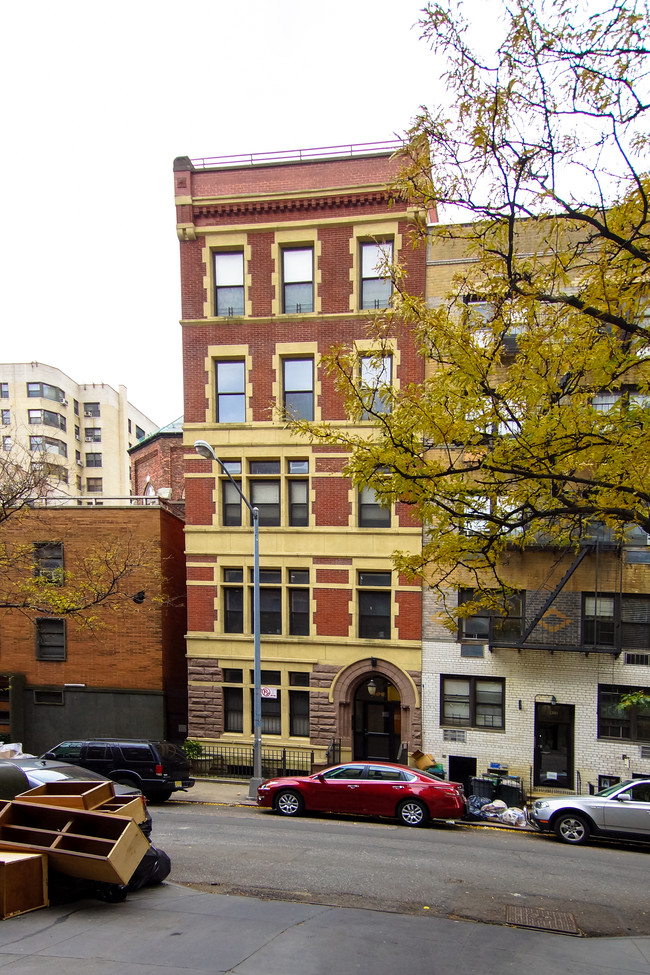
(298, 155)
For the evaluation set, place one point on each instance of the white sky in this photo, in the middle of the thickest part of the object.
(100, 98)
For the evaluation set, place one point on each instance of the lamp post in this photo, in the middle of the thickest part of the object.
(203, 448)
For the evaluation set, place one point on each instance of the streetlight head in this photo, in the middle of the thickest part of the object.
(203, 448)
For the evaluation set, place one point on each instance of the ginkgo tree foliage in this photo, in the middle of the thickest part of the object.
(102, 578)
(532, 424)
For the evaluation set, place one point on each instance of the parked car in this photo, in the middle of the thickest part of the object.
(366, 789)
(21, 774)
(157, 768)
(622, 810)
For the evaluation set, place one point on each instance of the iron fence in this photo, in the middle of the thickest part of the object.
(236, 762)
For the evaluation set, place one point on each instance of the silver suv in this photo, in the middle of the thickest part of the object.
(623, 810)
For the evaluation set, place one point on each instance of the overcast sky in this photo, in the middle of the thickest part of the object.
(100, 98)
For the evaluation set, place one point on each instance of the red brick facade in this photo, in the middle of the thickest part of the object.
(328, 207)
(131, 652)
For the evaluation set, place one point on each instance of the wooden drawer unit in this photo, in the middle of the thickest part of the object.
(77, 795)
(132, 806)
(23, 882)
(96, 846)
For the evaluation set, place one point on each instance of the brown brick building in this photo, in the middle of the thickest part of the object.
(280, 261)
(124, 675)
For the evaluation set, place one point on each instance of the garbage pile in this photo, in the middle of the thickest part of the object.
(495, 810)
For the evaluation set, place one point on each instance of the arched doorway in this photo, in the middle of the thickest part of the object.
(377, 720)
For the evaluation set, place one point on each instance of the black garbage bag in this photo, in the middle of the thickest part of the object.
(154, 866)
(474, 806)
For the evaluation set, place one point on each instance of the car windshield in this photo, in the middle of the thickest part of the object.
(614, 788)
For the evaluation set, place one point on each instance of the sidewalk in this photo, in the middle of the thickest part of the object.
(169, 929)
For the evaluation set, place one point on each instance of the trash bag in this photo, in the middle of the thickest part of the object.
(492, 810)
(513, 816)
(154, 866)
(475, 805)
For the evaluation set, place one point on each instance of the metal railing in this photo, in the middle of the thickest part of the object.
(236, 762)
(296, 155)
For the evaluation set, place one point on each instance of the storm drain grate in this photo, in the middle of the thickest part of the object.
(539, 917)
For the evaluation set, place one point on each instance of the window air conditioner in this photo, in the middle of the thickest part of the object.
(89, 439)
(88, 413)
(64, 402)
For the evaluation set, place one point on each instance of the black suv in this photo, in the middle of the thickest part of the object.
(157, 768)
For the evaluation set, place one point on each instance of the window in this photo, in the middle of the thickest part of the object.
(7, 443)
(270, 601)
(229, 283)
(374, 605)
(299, 602)
(271, 715)
(299, 714)
(53, 446)
(472, 702)
(4, 390)
(94, 485)
(48, 418)
(265, 495)
(489, 625)
(233, 600)
(376, 285)
(233, 705)
(77, 433)
(139, 432)
(630, 724)
(297, 280)
(376, 381)
(48, 561)
(233, 675)
(231, 395)
(298, 503)
(93, 435)
(299, 678)
(616, 621)
(6, 417)
(93, 460)
(46, 391)
(232, 503)
(605, 401)
(75, 407)
(50, 639)
(371, 513)
(298, 388)
(92, 409)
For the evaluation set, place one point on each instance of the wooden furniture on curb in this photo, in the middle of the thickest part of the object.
(23, 882)
(93, 845)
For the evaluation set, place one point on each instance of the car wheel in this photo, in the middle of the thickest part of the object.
(155, 798)
(289, 803)
(571, 828)
(412, 812)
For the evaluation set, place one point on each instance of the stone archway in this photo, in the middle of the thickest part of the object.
(349, 686)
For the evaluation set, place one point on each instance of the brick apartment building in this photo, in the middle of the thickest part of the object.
(279, 262)
(541, 699)
(127, 674)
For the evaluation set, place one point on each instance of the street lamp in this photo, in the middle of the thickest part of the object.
(203, 448)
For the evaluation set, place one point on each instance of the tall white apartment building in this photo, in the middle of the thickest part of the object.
(82, 431)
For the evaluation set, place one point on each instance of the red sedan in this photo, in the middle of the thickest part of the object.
(366, 789)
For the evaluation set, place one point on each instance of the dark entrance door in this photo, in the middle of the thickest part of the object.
(377, 720)
(554, 731)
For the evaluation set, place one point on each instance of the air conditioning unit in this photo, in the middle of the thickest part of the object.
(88, 413)
(64, 402)
(89, 439)
(80, 463)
